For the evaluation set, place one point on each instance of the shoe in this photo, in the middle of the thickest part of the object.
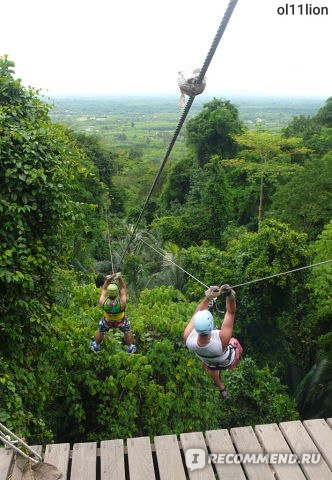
(131, 349)
(94, 347)
(225, 395)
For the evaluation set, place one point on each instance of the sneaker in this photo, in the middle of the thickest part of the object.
(225, 395)
(131, 348)
(94, 347)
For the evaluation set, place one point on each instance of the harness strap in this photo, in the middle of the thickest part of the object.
(216, 356)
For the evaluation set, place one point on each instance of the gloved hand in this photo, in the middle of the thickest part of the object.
(117, 275)
(213, 292)
(110, 277)
(227, 290)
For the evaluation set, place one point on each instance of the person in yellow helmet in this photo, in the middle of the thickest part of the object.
(217, 349)
(113, 303)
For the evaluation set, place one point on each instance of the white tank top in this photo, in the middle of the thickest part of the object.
(211, 354)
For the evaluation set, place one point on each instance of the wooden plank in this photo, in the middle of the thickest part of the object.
(329, 421)
(301, 443)
(17, 472)
(246, 442)
(219, 441)
(84, 461)
(169, 458)
(58, 455)
(6, 455)
(273, 442)
(321, 434)
(140, 459)
(195, 441)
(112, 460)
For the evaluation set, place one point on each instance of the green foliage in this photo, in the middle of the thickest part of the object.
(105, 162)
(265, 156)
(212, 131)
(324, 114)
(321, 277)
(320, 317)
(25, 389)
(207, 209)
(177, 184)
(172, 268)
(302, 126)
(257, 397)
(48, 194)
(316, 131)
(305, 201)
(177, 229)
(38, 164)
(115, 395)
(314, 393)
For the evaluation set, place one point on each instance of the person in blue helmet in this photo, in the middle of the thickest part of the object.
(216, 349)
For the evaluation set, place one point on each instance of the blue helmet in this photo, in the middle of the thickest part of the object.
(203, 322)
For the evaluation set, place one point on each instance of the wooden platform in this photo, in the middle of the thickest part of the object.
(165, 459)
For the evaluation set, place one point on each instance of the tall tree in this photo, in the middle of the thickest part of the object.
(38, 164)
(305, 201)
(207, 209)
(177, 184)
(105, 162)
(324, 114)
(266, 156)
(316, 131)
(212, 131)
(314, 393)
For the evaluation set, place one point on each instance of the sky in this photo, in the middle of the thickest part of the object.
(136, 47)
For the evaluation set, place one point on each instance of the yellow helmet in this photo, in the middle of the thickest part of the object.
(112, 290)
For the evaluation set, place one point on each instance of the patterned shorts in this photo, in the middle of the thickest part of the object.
(104, 326)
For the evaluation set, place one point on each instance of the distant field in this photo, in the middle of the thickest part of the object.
(145, 126)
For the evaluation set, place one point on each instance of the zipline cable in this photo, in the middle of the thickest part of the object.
(171, 261)
(240, 284)
(214, 45)
(282, 273)
(109, 245)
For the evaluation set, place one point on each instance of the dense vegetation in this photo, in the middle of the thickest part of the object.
(235, 205)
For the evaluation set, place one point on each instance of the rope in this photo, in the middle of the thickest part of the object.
(109, 246)
(171, 261)
(240, 284)
(282, 273)
(217, 38)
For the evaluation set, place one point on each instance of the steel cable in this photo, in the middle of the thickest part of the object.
(211, 52)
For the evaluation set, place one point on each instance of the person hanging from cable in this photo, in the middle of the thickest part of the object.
(113, 303)
(216, 349)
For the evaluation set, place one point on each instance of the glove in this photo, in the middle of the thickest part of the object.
(212, 292)
(117, 275)
(227, 290)
(110, 277)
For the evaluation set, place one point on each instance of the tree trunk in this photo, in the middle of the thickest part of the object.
(261, 197)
